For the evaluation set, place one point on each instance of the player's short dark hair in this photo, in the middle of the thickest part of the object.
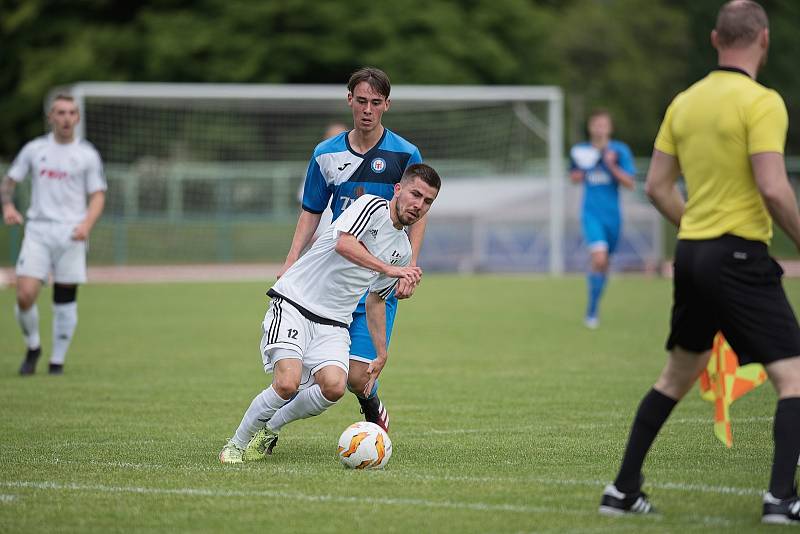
(376, 78)
(739, 22)
(426, 173)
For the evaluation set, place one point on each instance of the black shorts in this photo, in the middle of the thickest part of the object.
(733, 285)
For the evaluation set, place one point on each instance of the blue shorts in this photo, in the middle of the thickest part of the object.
(361, 348)
(600, 234)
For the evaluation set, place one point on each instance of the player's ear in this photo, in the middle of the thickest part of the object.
(397, 188)
(714, 39)
(388, 103)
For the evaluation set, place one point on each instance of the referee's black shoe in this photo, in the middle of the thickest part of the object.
(375, 412)
(28, 366)
(616, 503)
(781, 511)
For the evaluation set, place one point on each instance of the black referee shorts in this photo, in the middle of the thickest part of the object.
(733, 285)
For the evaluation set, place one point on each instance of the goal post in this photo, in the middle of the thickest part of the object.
(211, 172)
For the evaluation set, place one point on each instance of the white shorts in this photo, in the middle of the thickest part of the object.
(47, 248)
(317, 345)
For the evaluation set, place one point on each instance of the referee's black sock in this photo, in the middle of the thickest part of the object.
(786, 433)
(653, 412)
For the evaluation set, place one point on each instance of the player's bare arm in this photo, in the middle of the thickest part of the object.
(10, 213)
(416, 234)
(376, 324)
(97, 202)
(306, 225)
(660, 186)
(350, 248)
(769, 171)
(610, 158)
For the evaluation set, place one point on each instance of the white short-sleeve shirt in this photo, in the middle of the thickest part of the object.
(330, 286)
(62, 176)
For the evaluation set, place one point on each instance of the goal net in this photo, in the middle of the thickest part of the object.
(206, 173)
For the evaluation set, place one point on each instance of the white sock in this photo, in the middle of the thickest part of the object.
(29, 323)
(308, 403)
(65, 319)
(264, 405)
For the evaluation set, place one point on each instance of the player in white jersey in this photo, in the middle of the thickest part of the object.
(64, 171)
(305, 340)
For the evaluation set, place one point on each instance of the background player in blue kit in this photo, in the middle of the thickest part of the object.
(369, 159)
(601, 164)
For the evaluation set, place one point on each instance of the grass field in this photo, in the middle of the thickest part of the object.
(508, 416)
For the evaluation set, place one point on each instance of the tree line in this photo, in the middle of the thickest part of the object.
(629, 56)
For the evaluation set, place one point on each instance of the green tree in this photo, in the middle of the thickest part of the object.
(623, 55)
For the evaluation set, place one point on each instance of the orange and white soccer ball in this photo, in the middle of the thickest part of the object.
(364, 446)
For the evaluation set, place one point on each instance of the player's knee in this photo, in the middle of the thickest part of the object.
(285, 386)
(25, 299)
(333, 389)
(64, 294)
(785, 376)
(356, 383)
(599, 262)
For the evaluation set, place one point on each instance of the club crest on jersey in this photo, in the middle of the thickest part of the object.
(374, 233)
(378, 165)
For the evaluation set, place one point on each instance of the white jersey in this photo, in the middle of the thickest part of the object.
(62, 177)
(330, 286)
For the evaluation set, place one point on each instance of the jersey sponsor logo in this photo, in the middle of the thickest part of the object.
(378, 165)
(598, 177)
(343, 167)
(54, 174)
(346, 201)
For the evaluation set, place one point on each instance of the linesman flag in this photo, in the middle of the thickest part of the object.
(724, 381)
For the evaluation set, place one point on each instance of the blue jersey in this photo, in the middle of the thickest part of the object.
(338, 174)
(601, 189)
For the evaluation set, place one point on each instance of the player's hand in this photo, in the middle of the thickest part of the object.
(412, 274)
(11, 215)
(373, 370)
(288, 263)
(404, 289)
(81, 232)
(576, 176)
(610, 158)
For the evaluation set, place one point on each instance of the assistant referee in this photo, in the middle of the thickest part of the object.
(725, 134)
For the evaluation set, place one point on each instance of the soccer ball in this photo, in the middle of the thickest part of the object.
(364, 446)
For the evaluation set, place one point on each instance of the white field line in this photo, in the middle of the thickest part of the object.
(7, 498)
(204, 492)
(406, 475)
(338, 499)
(609, 424)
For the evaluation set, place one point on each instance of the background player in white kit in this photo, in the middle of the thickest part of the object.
(306, 343)
(64, 171)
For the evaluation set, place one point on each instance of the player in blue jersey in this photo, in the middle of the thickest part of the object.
(369, 159)
(602, 164)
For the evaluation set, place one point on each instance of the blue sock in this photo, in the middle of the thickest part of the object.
(597, 282)
(374, 390)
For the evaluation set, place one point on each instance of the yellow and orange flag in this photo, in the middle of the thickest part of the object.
(724, 381)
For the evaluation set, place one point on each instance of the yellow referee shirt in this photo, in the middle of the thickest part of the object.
(713, 128)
